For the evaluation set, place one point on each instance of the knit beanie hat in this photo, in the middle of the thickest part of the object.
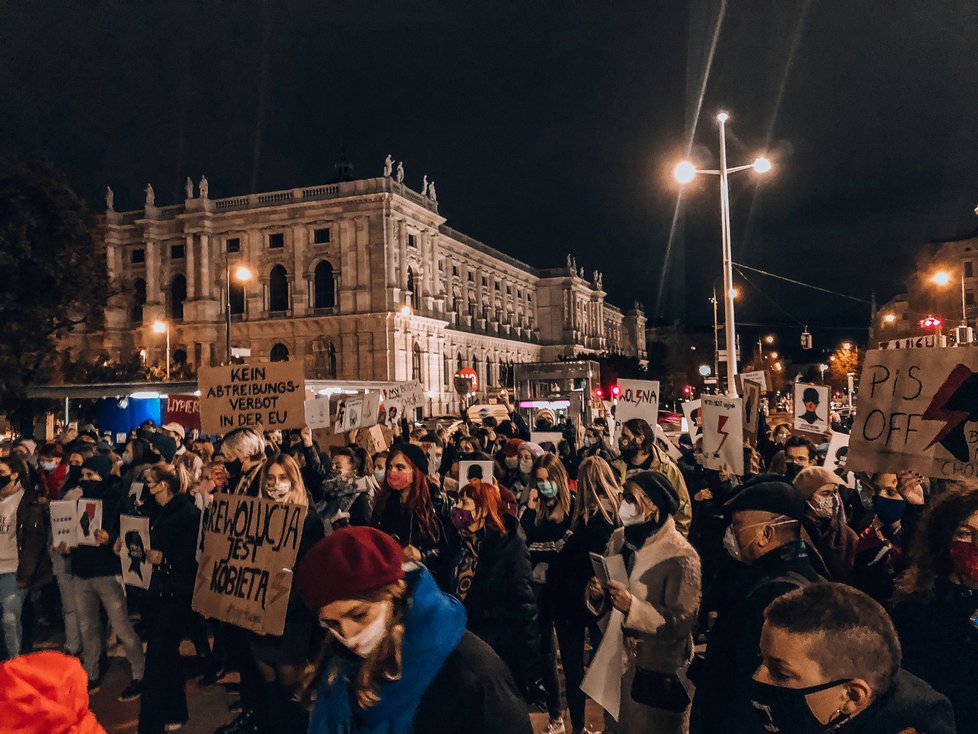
(414, 453)
(658, 489)
(346, 564)
(165, 445)
(45, 693)
(512, 447)
(535, 449)
(813, 478)
(100, 464)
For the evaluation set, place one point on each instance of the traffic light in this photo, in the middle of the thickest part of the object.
(598, 393)
(931, 322)
(615, 392)
(688, 391)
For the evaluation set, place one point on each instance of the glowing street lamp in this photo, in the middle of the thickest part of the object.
(889, 318)
(942, 278)
(769, 339)
(163, 327)
(242, 274)
(685, 172)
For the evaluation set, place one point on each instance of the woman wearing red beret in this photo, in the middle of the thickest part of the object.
(398, 658)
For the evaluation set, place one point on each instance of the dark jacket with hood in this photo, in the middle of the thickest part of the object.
(90, 562)
(909, 706)
(33, 527)
(500, 603)
(173, 532)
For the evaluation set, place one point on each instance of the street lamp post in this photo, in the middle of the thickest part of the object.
(685, 172)
(163, 327)
(242, 274)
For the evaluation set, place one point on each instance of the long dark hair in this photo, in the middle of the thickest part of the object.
(930, 556)
(418, 502)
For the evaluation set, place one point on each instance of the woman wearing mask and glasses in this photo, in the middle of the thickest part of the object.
(936, 610)
(397, 657)
(547, 525)
(656, 609)
(489, 572)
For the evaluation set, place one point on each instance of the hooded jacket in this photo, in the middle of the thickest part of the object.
(909, 706)
(173, 532)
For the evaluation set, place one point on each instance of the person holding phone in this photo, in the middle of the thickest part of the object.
(656, 609)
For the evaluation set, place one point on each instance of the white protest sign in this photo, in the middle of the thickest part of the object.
(918, 411)
(469, 470)
(752, 408)
(357, 412)
(694, 419)
(88, 519)
(674, 453)
(400, 400)
(317, 413)
(837, 454)
(478, 412)
(758, 376)
(638, 399)
(136, 569)
(63, 526)
(915, 342)
(811, 408)
(723, 433)
(542, 437)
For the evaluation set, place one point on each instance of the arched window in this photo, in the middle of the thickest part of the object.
(502, 371)
(176, 297)
(331, 360)
(416, 363)
(324, 293)
(279, 353)
(138, 300)
(179, 356)
(237, 298)
(410, 280)
(459, 362)
(278, 289)
(448, 370)
(488, 373)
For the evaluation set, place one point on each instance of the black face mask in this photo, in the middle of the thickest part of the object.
(72, 477)
(791, 471)
(234, 468)
(90, 486)
(4, 481)
(786, 710)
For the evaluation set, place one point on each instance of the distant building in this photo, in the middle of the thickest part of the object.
(958, 258)
(359, 279)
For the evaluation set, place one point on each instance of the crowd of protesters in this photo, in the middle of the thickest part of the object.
(792, 598)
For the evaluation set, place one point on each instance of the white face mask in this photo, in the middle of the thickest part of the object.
(366, 640)
(630, 514)
(512, 462)
(526, 465)
(278, 491)
(379, 475)
(823, 506)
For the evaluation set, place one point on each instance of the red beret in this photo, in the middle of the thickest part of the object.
(512, 447)
(346, 564)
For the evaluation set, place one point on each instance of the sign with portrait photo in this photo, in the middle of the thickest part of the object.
(811, 408)
(469, 470)
(692, 412)
(136, 569)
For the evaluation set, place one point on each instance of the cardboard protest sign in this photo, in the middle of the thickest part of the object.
(837, 455)
(542, 437)
(758, 376)
(245, 571)
(477, 412)
(663, 440)
(234, 396)
(638, 399)
(360, 411)
(692, 412)
(317, 413)
(469, 470)
(752, 408)
(136, 569)
(918, 411)
(64, 528)
(88, 519)
(723, 433)
(400, 401)
(183, 409)
(811, 408)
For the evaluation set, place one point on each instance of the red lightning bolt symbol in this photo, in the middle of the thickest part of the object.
(721, 422)
(936, 410)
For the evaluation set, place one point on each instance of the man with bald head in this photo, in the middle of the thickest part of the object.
(764, 535)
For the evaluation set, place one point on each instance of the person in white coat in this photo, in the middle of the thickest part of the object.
(648, 642)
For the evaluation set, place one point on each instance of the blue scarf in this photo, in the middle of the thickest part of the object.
(433, 627)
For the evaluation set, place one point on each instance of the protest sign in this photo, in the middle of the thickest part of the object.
(477, 412)
(811, 408)
(542, 437)
(758, 376)
(400, 401)
(918, 411)
(136, 493)
(360, 411)
(752, 408)
(837, 454)
(663, 440)
(183, 409)
(638, 399)
(271, 395)
(136, 569)
(469, 470)
(692, 412)
(88, 519)
(245, 572)
(723, 433)
(317, 413)
(64, 528)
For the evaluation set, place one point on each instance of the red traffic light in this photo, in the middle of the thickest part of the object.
(931, 322)
(598, 392)
(615, 391)
(688, 390)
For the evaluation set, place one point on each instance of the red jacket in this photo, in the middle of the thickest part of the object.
(54, 481)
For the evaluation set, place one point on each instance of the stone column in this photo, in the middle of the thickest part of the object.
(153, 292)
(402, 254)
(206, 285)
(188, 256)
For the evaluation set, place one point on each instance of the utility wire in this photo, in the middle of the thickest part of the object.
(772, 301)
(798, 282)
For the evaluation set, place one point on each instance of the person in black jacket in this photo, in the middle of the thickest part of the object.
(397, 657)
(937, 603)
(166, 611)
(830, 661)
(95, 569)
(765, 534)
(489, 572)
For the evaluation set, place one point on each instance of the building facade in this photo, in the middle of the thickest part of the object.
(360, 279)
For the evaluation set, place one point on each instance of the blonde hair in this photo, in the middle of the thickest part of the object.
(381, 666)
(176, 477)
(297, 495)
(556, 473)
(596, 481)
(243, 443)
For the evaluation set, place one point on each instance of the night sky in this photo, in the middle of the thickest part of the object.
(549, 127)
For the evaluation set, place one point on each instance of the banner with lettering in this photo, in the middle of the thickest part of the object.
(638, 399)
(918, 411)
(270, 395)
(183, 409)
(245, 572)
